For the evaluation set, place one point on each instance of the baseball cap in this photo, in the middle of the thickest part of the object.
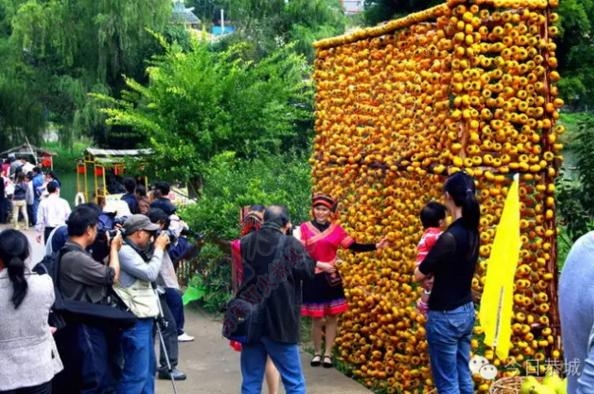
(139, 222)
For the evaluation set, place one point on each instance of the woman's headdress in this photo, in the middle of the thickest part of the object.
(324, 200)
(250, 221)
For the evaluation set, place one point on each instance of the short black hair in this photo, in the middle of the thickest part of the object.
(432, 213)
(163, 187)
(278, 214)
(81, 217)
(140, 190)
(157, 215)
(129, 184)
(52, 186)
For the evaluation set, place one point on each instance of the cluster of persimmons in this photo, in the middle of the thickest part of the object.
(464, 85)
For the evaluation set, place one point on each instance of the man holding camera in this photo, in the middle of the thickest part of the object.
(274, 265)
(140, 258)
(88, 348)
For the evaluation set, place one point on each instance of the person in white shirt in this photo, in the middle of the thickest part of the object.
(52, 212)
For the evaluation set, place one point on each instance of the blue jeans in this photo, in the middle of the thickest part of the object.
(286, 358)
(448, 335)
(138, 376)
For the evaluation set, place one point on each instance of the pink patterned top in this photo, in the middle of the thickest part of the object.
(428, 239)
(322, 246)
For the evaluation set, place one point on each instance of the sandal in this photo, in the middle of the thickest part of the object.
(316, 361)
(327, 362)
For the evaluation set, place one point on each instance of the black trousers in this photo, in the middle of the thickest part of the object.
(44, 388)
(169, 330)
(46, 233)
(92, 358)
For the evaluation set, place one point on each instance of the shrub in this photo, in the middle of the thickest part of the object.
(575, 187)
(230, 184)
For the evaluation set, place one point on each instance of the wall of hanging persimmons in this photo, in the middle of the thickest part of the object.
(464, 85)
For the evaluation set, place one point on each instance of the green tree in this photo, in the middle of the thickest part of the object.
(229, 184)
(70, 47)
(266, 24)
(575, 51)
(200, 103)
(377, 11)
(575, 188)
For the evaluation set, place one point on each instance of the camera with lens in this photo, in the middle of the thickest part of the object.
(197, 235)
(169, 233)
(119, 221)
(112, 233)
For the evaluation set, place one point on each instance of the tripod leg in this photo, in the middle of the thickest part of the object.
(164, 350)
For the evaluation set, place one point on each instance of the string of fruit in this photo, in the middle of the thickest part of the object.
(463, 85)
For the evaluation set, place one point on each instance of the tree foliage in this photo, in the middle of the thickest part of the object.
(377, 11)
(266, 24)
(575, 51)
(231, 183)
(575, 189)
(200, 103)
(59, 50)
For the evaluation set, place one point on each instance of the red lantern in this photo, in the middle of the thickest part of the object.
(98, 171)
(46, 161)
(81, 169)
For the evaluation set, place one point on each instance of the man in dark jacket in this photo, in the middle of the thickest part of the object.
(160, 199)
(274, 266)
(130, 195)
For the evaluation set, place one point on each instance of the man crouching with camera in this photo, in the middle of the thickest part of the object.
(140, 261)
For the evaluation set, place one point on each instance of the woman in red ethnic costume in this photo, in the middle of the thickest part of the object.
(323, 297)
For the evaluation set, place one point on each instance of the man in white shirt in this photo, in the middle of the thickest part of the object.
(52, 212)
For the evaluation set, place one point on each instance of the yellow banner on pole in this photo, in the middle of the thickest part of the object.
(497, 300)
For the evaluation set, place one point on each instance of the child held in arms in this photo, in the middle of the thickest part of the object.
(432, 217)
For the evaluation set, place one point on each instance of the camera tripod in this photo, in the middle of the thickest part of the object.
(161, 323)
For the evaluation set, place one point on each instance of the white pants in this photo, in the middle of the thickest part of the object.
(22, 205)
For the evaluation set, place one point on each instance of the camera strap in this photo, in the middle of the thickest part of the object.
(145, 254)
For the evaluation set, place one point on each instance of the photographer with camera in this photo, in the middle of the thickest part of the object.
(141, 257)
(168, 286)
(87, 348)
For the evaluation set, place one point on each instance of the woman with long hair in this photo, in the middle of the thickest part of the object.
(452, 262)
(28, 354)
(323, 297)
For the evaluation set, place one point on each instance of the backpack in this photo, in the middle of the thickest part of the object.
(49, 265)
(63, 308)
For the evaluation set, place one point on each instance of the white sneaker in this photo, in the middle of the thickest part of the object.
(185, 338)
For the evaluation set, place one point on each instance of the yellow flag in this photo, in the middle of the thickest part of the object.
(497, 300)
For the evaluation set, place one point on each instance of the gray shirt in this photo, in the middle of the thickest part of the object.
(132, 266)
(82, 278)
(167, 276)
(576, 310)
(28, 353)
